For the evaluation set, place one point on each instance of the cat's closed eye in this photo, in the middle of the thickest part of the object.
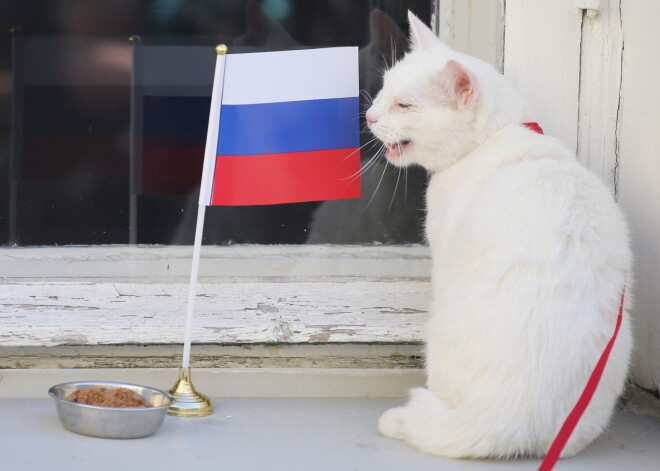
(404, 105)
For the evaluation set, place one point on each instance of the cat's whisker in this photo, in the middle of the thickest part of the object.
(376, 190)
(405, 182)
(363, 170)
(351, 178)
(372, 161)
(374, 141)
(360, 148)
(405, 176)
(360, 172)
(386, 65)
(367, 96)
(398, 176)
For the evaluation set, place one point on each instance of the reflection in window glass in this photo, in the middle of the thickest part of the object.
(102, 137)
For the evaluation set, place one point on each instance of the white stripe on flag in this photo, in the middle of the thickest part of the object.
(206, 186)
(307, 74)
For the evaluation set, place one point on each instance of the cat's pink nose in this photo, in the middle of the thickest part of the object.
(370, 118)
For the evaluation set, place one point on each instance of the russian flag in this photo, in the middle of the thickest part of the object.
(283, 128)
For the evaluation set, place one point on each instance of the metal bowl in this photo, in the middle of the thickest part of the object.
(111, 422)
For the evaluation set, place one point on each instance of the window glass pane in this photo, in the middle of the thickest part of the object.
(92, 152)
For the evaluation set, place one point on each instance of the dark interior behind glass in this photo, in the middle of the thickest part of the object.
(72, 114)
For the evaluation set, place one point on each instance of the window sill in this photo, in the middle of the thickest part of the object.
(257, 425)
(73, 300)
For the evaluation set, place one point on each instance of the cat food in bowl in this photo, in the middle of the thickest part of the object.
(110, 410)
(113, 397)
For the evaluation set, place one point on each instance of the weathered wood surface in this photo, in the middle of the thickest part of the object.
(220, 383)
(600, 83)
(333, 355)
(162, 264)
(268, 306)
(79, 313)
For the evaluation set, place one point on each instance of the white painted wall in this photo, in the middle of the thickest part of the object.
(475, 27)
(542, 59)
(639, 175)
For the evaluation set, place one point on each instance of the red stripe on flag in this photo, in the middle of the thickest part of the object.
(243, 180)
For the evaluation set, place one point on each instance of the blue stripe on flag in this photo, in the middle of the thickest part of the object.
(296, 126)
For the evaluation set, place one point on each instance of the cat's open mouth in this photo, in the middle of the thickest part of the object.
(395, 149)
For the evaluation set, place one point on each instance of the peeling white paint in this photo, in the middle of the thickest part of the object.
(232, 313)
(247, 294)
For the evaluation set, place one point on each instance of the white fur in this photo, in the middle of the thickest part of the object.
(530, 254)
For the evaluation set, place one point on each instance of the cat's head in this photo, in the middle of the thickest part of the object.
(435, 104)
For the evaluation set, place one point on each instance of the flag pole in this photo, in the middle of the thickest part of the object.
(188, 401)
(192, 288)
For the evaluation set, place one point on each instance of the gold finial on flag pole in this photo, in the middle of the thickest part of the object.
(221, 49)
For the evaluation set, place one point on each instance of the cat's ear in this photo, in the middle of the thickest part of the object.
(386, 36)
(459, 83)
(421, 37)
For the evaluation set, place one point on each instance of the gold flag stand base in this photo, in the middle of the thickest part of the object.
(189, 402)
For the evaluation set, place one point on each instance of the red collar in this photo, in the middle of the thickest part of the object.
(534, 127)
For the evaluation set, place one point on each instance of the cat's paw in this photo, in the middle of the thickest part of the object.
(391, 423)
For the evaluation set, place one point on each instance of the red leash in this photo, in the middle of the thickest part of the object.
(574, 417)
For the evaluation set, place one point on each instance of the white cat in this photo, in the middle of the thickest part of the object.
(530, 256)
